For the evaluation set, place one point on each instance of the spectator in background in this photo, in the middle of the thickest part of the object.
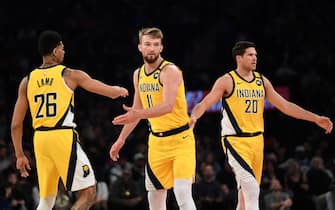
(326, 201)
(269, 171)
(300, 156)
(14, 193)
(211, 160)
(318, 177)
(5, 193)
(276, 199)
(296, 185)
(101, 202)
(125, 194)
(138, 171)
(63, 199)
(226, 176)
(138, 167)
(5, 157)
(229, 198)
(208, 191)
(116, 169)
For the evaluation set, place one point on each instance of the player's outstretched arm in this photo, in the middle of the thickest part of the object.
(76, 78)
(20, 110)
(221, 86)
(129, 127)
(294, 110)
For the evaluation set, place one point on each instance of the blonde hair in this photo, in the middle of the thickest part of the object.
(152, 31)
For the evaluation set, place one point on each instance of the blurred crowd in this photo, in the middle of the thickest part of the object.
(295, 50)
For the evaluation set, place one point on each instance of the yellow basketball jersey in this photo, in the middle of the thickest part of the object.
(51, 101)
(151, 94)
(242, 110)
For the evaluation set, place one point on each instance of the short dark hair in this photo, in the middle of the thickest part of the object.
(240, 46)
(47, 41)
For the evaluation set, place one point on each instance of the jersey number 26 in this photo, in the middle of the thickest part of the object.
(47, 100)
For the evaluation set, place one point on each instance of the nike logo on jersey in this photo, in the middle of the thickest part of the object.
(184, 137)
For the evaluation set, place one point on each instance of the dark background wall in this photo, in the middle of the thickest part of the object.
(294, 43)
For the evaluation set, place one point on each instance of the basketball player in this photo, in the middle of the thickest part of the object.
(160, 97)
(242, 92)
(48, 91)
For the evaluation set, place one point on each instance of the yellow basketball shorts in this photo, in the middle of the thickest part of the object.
(169, 158)
(245, 154)
(59, 156)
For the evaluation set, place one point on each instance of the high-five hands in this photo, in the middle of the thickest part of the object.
(130, 116)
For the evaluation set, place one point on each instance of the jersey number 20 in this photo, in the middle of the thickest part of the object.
(252, 106)
(47, 100)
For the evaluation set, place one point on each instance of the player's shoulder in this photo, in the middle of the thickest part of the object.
(226, 76)
(67, 71)
(23, 84)
(171, 67)
(225, 80)
(137, 71)
(24, 80)
(74, 74)
(136, 74)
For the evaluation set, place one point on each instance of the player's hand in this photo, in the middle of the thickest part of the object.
(192, 122)
(22, 164)
(325, 123)
(130, 116)
(114, 151)
(123, 92)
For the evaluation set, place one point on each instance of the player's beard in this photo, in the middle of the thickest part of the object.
(150, 58)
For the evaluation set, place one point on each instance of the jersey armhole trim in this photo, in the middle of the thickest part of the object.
(161, 67)
(138, 74)
(67, 87)
(232, 90)
(263, 84)
(28, 77)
